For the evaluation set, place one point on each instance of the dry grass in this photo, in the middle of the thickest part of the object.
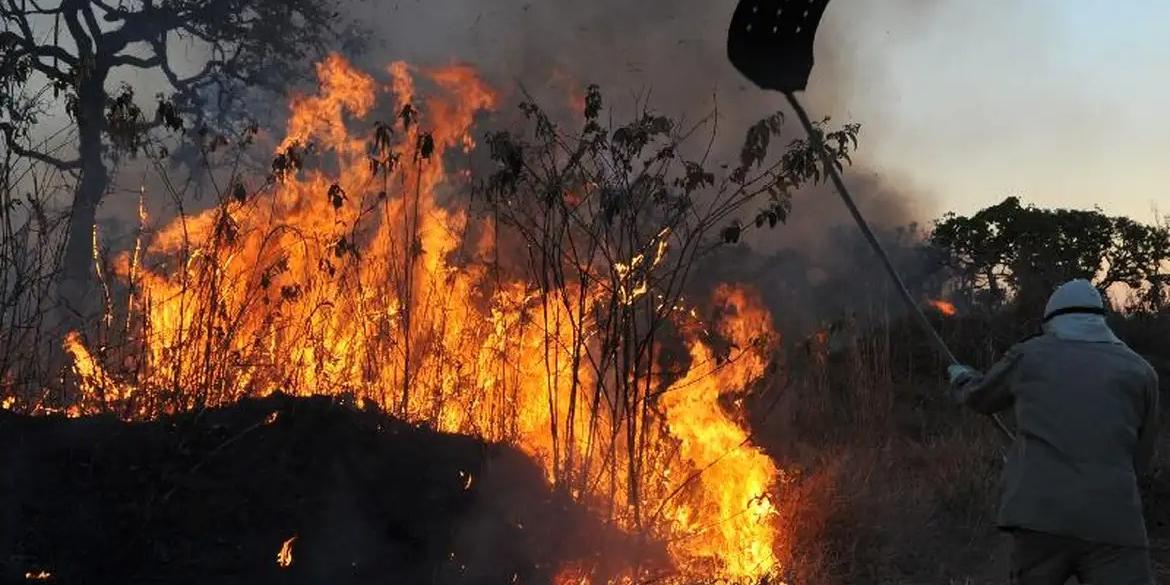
(891, 483)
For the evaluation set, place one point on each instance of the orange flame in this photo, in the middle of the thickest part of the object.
(732, 516)
(946, 308)
(284, 558)
(343, 282)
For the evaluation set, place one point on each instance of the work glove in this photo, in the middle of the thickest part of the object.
(960, 374)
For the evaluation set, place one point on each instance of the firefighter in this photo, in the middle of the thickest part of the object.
(1086, 411)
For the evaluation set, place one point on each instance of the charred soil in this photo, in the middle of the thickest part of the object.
(212, 496)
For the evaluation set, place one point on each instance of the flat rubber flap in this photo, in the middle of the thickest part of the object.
(771, 41)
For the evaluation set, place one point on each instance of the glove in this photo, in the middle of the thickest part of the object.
(960, 374)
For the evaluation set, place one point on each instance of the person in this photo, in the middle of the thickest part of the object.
(1086, 415)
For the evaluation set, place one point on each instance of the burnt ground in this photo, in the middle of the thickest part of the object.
(210, 497)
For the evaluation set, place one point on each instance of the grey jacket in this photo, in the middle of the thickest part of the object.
(1086, 414)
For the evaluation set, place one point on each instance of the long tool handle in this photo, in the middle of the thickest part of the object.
(915, 310)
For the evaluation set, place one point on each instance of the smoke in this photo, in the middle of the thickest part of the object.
(673, 51)
(672, 54)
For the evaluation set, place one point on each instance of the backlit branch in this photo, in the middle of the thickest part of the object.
(13, 145)
(135, 61)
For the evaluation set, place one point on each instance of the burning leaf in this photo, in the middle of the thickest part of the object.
(383, 137)
(408, 116)
(287, 162)
(344, 246)
(239, 192)
(336, 196)
(290, 293)
(226, 228)
(284, 558)
(426, 145)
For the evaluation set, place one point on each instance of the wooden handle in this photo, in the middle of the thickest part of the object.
(843, 191)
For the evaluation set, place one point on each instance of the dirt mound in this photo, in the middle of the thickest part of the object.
(210, 497)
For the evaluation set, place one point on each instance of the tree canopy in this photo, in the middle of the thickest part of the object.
(1023, 251)
(69, 49)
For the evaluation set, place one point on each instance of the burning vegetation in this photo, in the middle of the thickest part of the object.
(944, 308)
(556, 319)
(284, 558)
(420, 335)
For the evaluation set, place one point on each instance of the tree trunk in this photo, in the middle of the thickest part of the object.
(78, 276)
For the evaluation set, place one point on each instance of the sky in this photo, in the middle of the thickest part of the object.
(962, 102)
(1063, 102)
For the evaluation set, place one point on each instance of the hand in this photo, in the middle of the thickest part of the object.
(960, 374)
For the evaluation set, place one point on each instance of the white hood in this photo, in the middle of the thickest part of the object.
(1081, 327)
(1077, 295)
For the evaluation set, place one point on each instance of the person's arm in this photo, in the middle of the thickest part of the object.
(1149, 431)
(988, 393)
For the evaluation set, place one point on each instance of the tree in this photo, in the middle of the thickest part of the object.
(1027, 251)
(612, 222)
(73, 47)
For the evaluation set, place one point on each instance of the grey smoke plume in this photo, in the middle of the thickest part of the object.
(672, 55)
(674, 52)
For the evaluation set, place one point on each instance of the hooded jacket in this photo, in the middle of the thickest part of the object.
(1086, 417)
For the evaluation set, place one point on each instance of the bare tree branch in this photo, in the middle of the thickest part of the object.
(37, 9)
(139, 62)
(10, 141)
(85, 47)
(95, 30)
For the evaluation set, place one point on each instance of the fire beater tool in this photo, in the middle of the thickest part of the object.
(771, 43)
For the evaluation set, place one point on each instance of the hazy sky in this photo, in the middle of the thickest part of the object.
(1064, 102)
(962, 102)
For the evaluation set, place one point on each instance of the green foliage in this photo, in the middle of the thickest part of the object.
(1010, 248)
(637, 169)
(251, 43)
(755, 145)
(247, 44)
(123, 121)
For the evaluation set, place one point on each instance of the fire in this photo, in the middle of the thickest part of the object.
(98, 387)
(366, 278)
(946, 308)
(38, 576)
(284, 558)
(731, 516)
